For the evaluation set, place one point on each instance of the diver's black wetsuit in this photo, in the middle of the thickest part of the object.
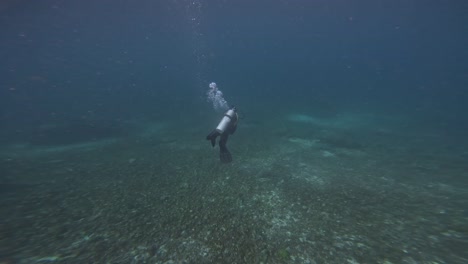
(224, 154)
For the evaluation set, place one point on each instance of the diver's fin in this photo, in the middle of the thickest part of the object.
(225, 155)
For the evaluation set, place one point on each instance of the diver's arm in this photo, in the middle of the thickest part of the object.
(212, 136)
(233, 129)
(233, 125)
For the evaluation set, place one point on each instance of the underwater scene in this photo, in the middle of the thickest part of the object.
(233, 131)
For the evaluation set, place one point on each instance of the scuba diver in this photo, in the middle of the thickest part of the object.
(226, 127)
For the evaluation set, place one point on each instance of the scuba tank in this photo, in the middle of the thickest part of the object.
(229, 116)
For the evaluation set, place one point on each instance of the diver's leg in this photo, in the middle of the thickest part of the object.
(224, 154)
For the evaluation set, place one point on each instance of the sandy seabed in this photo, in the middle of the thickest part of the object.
(301, 192)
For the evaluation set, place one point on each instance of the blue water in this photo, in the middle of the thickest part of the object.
(353, 119)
